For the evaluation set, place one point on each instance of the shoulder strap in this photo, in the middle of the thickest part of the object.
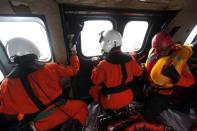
(118, 58)
(124, 73)
(31, 94)
(122, 87)
(119, 88)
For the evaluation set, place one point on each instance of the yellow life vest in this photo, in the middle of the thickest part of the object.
(178, 59)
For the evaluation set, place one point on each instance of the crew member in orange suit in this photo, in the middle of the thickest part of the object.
(163, 48)
(34, 89)
(113, 76)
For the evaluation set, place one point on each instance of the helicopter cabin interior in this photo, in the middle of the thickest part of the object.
(49, 24)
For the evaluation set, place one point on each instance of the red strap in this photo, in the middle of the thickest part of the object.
(146, 125)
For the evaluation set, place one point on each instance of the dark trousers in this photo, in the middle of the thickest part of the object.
(157, 103)
(7, 122)
(154, 105)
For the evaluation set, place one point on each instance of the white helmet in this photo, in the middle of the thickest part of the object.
(20, 46)
(110, 39)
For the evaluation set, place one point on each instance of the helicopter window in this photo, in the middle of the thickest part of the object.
(32, 28)
(133, 35)
(1, 76)
(90, 45)
(191, 36)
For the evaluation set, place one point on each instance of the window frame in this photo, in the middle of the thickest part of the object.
(195, 36)
(150, 24)
(43, 19)
(145, 35)
(3, 68)
(1, 72)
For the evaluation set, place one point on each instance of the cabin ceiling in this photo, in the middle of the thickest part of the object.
(130, 4)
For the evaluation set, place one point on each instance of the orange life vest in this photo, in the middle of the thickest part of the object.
(178, 58)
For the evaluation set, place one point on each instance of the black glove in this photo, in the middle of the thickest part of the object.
(78, 28)
(171, 72)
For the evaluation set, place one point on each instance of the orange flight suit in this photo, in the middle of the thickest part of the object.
(14, 99)
(111, 76)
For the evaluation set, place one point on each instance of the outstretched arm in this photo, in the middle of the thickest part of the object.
(71, 69)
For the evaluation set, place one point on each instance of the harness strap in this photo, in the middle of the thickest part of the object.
(44, 114)
(61, 99)
(122, 87)
(163, 89)
(124, 73)
(58, 99)
(116, 89)
(31, 94)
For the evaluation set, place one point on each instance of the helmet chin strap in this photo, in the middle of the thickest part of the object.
(115, 43)
(104, 54)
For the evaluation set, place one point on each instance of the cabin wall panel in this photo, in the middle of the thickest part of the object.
(50, 9)
(5, 7)
(186, 19)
